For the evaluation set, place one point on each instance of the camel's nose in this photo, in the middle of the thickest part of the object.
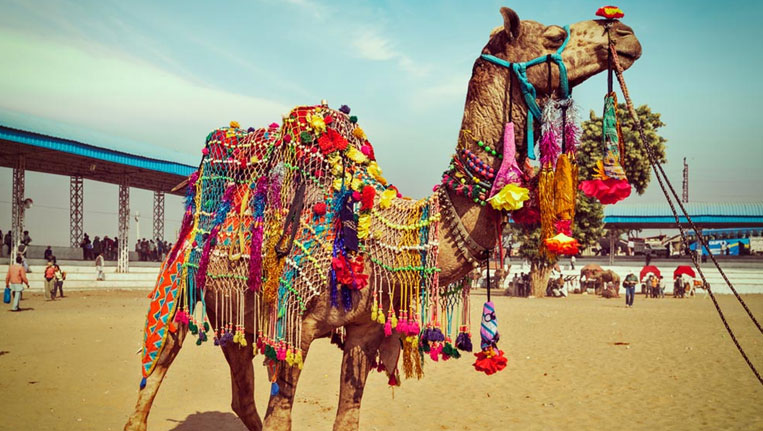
(623, 30)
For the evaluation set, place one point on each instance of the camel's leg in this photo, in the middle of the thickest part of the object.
(278, 415)
(242, 382)
(360, 347)
(137, 421)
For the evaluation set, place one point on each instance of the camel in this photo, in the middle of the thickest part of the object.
(364, 340)
(602, 277)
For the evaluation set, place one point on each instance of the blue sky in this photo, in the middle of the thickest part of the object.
(155, 77)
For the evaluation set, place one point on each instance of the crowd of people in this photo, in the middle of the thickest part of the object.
(106, 247)
(150, 250)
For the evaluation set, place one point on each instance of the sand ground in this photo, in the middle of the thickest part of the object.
(72, 365)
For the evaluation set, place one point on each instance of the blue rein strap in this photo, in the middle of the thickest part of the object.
(528, 90)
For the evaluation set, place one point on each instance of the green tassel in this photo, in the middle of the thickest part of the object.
(194, 329)
(353, 118)
(198, 341)
(206, 326)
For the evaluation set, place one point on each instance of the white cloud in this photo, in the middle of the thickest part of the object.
(108, 92)
(370, 45)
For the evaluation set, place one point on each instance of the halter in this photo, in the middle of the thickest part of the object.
(528, 91)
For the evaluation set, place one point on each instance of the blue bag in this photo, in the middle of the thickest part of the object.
(7, 295)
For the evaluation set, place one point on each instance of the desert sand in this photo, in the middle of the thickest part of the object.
(72, 365)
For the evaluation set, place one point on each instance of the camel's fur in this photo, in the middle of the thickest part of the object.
(484, 115)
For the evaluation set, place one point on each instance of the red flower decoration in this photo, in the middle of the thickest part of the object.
(367, 198)
(319, 209)
(607, 191)
(332, 141)
(610, 12)
(490, 361)
(349, 271)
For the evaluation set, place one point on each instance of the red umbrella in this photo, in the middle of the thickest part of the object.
(684, 269)
(647, 269)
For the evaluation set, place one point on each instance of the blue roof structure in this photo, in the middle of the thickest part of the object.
(93, 152)
(704, 214)
(60, 156)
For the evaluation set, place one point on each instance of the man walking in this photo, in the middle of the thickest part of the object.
(99, 268)
(630, 288)
(49, 288)
(15, 280)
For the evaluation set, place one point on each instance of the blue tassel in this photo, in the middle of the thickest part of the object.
(274, 389)
(143, 383)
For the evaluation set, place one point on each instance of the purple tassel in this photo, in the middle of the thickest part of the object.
(346, 298)
(258, 228)
(549, 148)
(571, 135)
(345, 109)
(436, 335)
(464, 342)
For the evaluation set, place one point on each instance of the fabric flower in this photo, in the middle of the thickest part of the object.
(367, 196)
(510, 198)
(562, 244)
(316, 123)
(386, 198)
(607, 191)
(364, 225)
(610, 12)
(356, 156)
(376, 173)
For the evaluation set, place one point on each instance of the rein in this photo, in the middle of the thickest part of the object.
(528, 90)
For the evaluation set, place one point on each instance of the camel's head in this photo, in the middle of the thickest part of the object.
(584, 56)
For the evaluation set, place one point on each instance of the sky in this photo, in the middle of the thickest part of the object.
(153, 78)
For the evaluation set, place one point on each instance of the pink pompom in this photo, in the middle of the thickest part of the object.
(434, 353)
(205, 151)
(402, 327)
(388, 328)
(273, 125)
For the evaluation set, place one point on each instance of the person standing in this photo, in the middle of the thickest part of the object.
(26, 239)
(630, 288)
(8, 240)
(15, 280)
(48, 253)
(60, 276)
(572, 262)
(661, 284)
(100, 276)
(22, 252)
(49, 288)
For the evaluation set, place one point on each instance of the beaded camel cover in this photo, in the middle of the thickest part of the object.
(275, 216)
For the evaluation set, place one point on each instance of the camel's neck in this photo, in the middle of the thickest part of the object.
(485, 115)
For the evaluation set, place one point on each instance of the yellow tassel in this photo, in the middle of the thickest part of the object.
(546, 197)
(298, 359)
(290, 358)
(564, 196)
(374, 311)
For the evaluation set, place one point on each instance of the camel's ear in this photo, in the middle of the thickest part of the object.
(511, 23)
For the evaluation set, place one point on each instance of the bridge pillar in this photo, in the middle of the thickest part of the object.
(612, 247)
(158, 215)
(76, 200)
(17, 207)
(123, 256)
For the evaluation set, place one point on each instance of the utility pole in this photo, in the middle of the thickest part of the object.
(685, 194)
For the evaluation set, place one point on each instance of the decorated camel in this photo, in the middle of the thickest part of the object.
(292, 233)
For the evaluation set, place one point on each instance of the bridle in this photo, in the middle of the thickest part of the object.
(528, 90)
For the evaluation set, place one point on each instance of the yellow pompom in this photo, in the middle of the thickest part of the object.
(317, 123)
(356, 184)
(386, 198)
(359, 133)
(234, 125)
(356, 155)
(364, 225)
(254, 159)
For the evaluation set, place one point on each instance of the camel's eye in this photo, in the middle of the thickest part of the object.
(554, 36)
